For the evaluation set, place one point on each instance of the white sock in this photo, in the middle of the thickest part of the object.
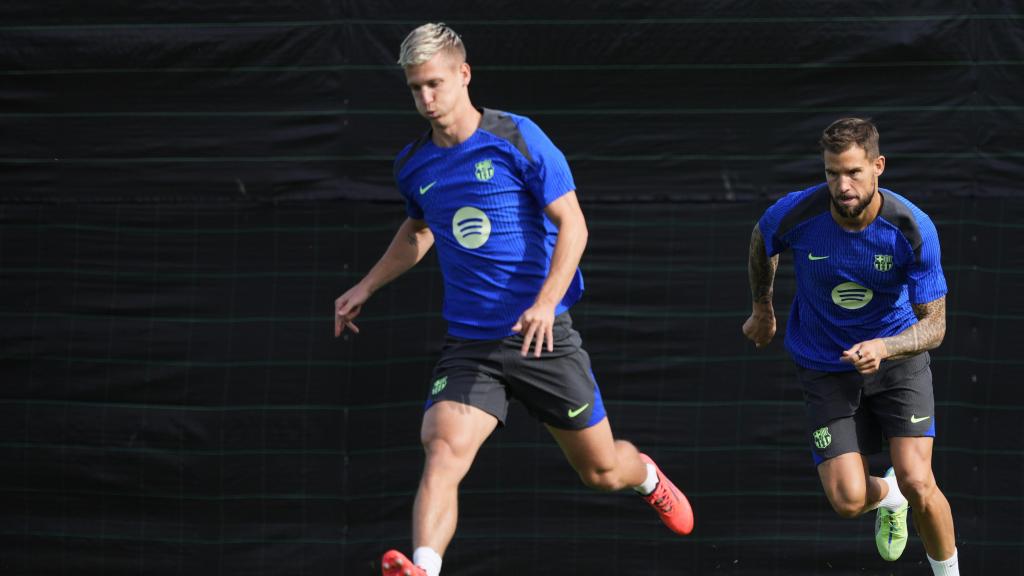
(948, 567)
(894, 499)
(650, 483)
(428, 559)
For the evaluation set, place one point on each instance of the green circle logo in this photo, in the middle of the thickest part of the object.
(471, 227)
(851, 295)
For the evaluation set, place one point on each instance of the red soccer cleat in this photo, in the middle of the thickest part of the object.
(670, 502)
(394, 563)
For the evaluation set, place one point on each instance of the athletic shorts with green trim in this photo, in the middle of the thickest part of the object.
(559, 388)
(850, 412)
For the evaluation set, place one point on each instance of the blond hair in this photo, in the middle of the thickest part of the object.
(426, 41)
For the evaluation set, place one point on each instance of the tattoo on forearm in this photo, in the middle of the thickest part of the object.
(411, 239)
(761, 269)
(925, 335)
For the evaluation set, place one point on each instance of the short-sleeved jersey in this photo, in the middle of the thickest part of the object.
(484, 202)
(851, 286)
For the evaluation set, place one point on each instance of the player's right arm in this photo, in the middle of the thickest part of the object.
(760, 327)
(410, 244)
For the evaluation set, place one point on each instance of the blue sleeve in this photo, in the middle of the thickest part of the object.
(412, 208)
(769, 225)
(548, 176)
(925, 280)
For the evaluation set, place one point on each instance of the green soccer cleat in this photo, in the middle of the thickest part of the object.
(891, 529)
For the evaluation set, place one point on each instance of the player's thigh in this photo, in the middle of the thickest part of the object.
(590, 449)
(836, 422)
(844, 479)
(559, 387)
(912, 462)
(455, 430)
(469, 372)
(466, 400)
(902, 399)
(848, 470)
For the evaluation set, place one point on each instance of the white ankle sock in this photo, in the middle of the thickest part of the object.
(947, 567)
(894, 499)
(650, 483)
(428, 559)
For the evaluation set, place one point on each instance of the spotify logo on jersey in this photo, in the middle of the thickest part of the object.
(851, 295)
(471, 227)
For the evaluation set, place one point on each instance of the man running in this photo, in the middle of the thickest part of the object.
(496, 197)
(870, 302)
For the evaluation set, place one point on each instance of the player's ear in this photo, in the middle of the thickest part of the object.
(466, 73)
(879, 165)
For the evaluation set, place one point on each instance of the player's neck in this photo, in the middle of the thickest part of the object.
(457, 127)
(862, 220)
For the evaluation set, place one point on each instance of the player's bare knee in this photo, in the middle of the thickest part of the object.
(603, 479)
(441, 452)
(625, 447)
(444, 467)
(845, 505)
(848, 508)
(917, 487)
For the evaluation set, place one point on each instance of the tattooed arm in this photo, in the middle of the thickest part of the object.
(410, 244)
(761, 269)
(760, 327)
(926, 334)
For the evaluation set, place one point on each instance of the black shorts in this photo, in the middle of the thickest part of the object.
(850, 412)
(558, 388)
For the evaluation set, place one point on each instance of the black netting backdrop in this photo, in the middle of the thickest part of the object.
(185, 188)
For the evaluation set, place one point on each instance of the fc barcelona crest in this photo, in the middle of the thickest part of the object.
(883, 262)
(822, 438)
(484, 171)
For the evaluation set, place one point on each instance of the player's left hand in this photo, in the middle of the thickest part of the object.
(866, 356)
(537, 322)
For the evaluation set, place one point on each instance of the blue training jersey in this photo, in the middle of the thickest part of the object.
(484, 201)
(851, 286)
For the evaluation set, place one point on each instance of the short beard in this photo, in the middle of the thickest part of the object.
(854, 211)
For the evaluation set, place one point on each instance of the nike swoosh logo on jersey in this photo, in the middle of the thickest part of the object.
(914, 419)
(423, 189)
(811, 256)
(578, 411)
